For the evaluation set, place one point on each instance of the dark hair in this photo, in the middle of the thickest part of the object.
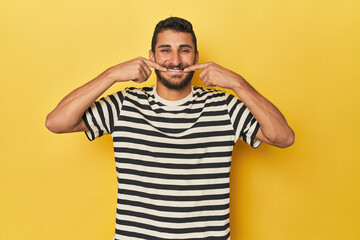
(176, 24)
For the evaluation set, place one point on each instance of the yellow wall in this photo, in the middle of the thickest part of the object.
(303, 55)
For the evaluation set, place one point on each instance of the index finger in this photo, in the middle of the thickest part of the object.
(195, 67)
(155, 65)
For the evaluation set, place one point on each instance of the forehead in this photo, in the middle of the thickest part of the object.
(173, 38)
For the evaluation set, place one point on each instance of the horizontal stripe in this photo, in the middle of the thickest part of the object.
(136, 156)
(171, 225)
(173, 155)
(151, 132)
(196, 106)
(173, 198)
(174, 193)
(172, 150)
(172, 219)
(180, 182)
(171, 230)
(178, 173)
(128, 129)
(172, 176)
(180, 128)
(173, 204)
(172, 214)
(172, 145)
(121, 234)
(174, 209)
(157, 164)
(200, 95)
(176, 140)
(173, 187)
(212, 109)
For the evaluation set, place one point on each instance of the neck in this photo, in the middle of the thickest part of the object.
(172, 94)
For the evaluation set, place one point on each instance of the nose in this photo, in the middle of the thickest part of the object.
(175, 59)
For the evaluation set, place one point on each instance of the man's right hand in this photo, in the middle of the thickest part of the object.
(67, 116)
(137, 70)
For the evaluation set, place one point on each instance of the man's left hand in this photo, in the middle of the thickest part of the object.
(213, 75)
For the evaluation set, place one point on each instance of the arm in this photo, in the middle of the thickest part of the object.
(67, 116)
(274, 129)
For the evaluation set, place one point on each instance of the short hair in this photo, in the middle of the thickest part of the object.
(176, 24)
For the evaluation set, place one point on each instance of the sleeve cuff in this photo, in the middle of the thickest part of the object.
(253, 142)
(90, 133)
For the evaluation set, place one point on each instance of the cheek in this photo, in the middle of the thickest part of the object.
(191, 59)
(160, 59)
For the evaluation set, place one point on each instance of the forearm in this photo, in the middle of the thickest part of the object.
(67, 116)
(68, 113)
(273, 126)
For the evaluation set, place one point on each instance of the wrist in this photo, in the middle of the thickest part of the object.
(238, 84)
(109, 77)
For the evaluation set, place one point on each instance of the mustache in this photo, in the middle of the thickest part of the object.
(179, 66)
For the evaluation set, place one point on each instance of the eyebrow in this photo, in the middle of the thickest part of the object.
(186, 45)
(164, 46)
(168, 45)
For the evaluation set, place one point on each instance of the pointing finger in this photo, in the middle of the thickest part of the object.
(195, 67)
(155, 65)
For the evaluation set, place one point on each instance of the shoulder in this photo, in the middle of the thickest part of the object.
(142, 93)
(209, 92)
(213, 94)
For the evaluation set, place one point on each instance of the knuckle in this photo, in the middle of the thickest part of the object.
(139, 59)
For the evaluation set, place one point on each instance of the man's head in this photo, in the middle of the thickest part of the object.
(174, 47)
(176, 24)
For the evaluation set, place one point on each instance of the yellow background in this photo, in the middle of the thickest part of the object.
(303, 55)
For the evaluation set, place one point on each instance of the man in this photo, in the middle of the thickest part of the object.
(172, 142)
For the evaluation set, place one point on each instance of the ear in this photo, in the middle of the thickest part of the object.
(151, 56)
(197, 57)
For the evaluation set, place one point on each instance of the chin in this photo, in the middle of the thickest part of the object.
(175, 81)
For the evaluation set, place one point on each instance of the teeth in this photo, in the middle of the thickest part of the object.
(174, 70)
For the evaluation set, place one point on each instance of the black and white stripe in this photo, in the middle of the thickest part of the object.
(172, 160)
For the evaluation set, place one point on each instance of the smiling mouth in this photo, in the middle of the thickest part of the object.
(175, 70)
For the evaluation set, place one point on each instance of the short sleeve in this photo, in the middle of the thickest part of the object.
(102, 114)
(244, 123)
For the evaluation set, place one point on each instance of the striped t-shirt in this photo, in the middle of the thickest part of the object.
(172, 160)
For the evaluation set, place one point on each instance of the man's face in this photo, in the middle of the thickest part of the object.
(175, 51)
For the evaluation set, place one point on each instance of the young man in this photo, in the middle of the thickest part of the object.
(173, 142)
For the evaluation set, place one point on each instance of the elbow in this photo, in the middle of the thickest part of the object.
(279, 138)
(51, 125)
(60, 124)
(288, 140)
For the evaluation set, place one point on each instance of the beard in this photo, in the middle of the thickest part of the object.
(167, 82)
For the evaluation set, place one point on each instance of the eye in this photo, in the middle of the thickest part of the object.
(164, 50)
(185, 50)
